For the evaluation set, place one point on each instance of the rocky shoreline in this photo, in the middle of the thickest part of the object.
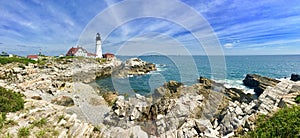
(61, 86)
(59, 91)
(206, 109)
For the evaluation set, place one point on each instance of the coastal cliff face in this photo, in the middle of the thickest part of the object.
(259, 83)
(133, 66)
(206, 109)
(58, 86)
(56, 94)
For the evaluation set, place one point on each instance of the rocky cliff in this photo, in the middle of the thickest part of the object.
(56, 88)
(259, 83)
(206, 109)
(58, 104)
(133, 66)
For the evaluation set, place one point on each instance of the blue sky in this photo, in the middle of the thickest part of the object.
(243, 27)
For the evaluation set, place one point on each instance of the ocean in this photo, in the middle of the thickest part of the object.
(187, 69)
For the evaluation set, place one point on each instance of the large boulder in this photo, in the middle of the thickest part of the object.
(169, 89)
(133, 66)
(295, 77)
(238, 95)
(259, 83)
(63, 101)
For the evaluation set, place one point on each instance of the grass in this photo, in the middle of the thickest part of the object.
(41, 134)
(2, 119)
(23, 132)
(297, 99)
(284, 123)
(40, 122)
(6, 60)
(101, 60)
(10, 101)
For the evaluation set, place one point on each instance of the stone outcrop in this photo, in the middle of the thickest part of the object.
(88, 70)
(295, 77)
(206, 109)
(133, 66)
(56, 122)
(63, 101)
(55, 88)
(239, 95)
(174, 110)
(259, 83)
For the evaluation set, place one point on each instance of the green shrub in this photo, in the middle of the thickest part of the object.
(284, 123)
(297, 99)
(6, 60)
(101, 60)
(10, 101)
(23, 132)
(2, 119)
(41, 134)
(40, 122)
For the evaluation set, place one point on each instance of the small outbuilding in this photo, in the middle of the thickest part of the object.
(108, 55)
(33, 57)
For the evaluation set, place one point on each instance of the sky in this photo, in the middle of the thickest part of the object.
(230, 27)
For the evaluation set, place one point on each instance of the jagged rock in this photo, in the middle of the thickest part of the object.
(295, 77)
(259, 83)
(63, 100)
(205, 81)
(239, 95)
(203, 124)
(133, 66)
(36, 97)
(173, 86)
(211, 133)
(169, 89)
(135, 132)
(120, 107)
(238, 111)
(295, 89)
(111, 97)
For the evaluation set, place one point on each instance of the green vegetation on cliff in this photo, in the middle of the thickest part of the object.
(10, 101)
(284, 123)
(297, 99)
(6, 60)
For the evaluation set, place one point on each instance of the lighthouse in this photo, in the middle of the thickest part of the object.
(98, 46)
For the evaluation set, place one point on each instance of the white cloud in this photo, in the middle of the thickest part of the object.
(229, 45)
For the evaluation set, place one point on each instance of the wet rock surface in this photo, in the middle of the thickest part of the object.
(295, 77)
(259, 83)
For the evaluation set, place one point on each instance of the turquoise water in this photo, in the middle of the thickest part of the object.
(187, 69)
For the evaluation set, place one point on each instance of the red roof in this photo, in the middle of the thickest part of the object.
(32, 56)
(72, 51)
(109, 54)
(90, 54)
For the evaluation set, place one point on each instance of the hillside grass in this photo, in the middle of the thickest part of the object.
(297, 99)
(6, 60)
(285, 123)
(10, 101)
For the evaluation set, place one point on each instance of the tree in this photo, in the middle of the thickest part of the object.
(4, 53)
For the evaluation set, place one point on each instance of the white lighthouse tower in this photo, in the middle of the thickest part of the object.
(98, 46)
